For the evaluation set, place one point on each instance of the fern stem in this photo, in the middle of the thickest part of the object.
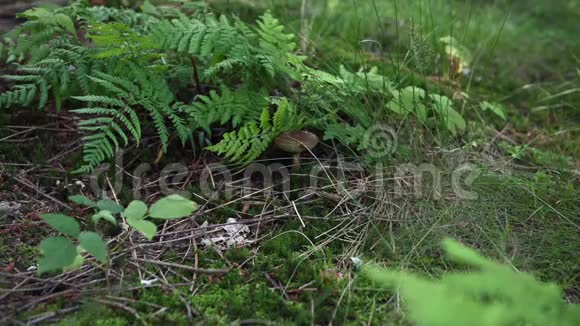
(196, 82)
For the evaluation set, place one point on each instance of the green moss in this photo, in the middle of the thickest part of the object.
(95, 314)
(14, 251)
(246, 301)
(238, 255)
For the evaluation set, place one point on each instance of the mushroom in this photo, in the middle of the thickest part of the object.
(296, 142)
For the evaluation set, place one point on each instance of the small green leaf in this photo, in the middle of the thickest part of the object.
(496, 108)
(172, 207)
(105, 215)
(409, 100)
(443, 105)
(109, 205)
(57, 253)
(62, 223)
(94, 244)
(135, 211)
(82, 200)
(455, 121)
(146, 228)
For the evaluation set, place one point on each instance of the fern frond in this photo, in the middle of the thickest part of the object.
(272, 34)
(119, 40)
(42, 26)
(62, 71)
(156, 112)
(179, 123)
(225, 45)
(251, 140)
(99, 99)
(276, 47)
(122, 72)
(237, 107)
(19, 95)
(245, 144)
(103, 144)
(212, 37)
(115, 114)
(286, 117)
(136, 20)
(223, 67)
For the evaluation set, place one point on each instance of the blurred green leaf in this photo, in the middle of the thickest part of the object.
(109, 205)
(136, 210)
(94, 245)
(82, 200)
(57, 253)
(172, 207)
(148, 229)
(496, 108)
(62, 223)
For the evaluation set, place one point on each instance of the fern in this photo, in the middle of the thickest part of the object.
(245, 144)
(212, 37)
(116, 115)
(119, 40)
(287, 116)
(56, 63)
(121, 63)
(21, 94)
(228, 45)
(276, 47)
(41, 26)
(141, 22)
(125, 62)
(252, 139)
(238, 107)
(63, 72)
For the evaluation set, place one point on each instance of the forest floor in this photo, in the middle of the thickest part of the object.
(292, 258)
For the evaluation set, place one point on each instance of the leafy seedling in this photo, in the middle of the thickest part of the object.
(60, 253)
(168, 208)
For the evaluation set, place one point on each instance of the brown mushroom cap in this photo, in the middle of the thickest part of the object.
(296, 141)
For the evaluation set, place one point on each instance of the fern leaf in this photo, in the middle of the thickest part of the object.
(251, 140)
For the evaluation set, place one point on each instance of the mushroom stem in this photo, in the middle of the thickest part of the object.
(296, 163)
